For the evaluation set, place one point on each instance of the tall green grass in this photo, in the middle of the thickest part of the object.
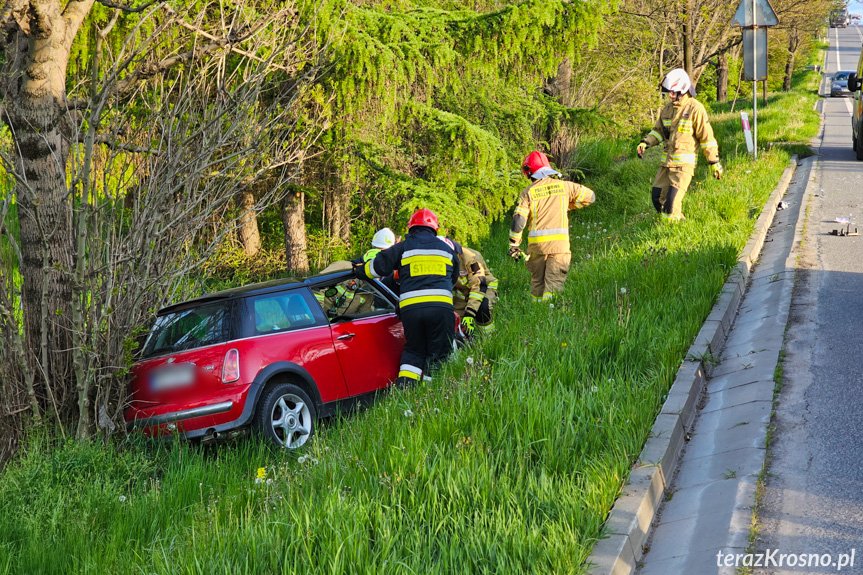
(508, 462)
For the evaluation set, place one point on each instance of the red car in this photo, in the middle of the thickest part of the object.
(276, 356)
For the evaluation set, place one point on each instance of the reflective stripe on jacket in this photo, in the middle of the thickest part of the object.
(543, 208)
(682, 128)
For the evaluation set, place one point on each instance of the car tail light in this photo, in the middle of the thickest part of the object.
(231, 367)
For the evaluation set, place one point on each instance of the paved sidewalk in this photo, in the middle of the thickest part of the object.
(708, 508)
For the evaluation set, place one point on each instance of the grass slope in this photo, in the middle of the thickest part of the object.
(508, 462)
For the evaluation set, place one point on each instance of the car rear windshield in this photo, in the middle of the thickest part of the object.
(187, 329)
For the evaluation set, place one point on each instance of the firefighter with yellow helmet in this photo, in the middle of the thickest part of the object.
(543, 208)
(682, 127)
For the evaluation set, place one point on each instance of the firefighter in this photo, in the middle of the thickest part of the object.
(682, 127)
(384, 238)
(474, 293)
(428, 269)
(543, 207)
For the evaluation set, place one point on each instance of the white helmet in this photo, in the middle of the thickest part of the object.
(677, 81)
(384, 238)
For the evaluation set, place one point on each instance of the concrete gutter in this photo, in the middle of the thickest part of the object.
(628, 524)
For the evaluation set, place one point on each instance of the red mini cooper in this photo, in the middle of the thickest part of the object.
(276, 356)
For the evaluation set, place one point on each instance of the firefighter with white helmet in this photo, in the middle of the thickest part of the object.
(384, 238)
(427, 269)
(682, 127)
(543, 209)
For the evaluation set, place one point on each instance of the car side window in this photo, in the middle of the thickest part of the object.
(351, 299)
(279, 312)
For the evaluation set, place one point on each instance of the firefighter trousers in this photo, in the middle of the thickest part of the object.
(669, 187)
(547, 273)
(429, 332)
(484, 319)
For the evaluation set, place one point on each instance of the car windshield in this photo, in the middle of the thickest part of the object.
(187, 329)
(840, 76)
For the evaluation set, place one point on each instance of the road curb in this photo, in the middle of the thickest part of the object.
(628, 524)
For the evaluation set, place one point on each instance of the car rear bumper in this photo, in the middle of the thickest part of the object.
(190, 419)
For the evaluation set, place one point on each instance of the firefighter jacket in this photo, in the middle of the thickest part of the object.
(475, 283)
(542, 208)
(427, 269)
(343, 299)
(682, 128)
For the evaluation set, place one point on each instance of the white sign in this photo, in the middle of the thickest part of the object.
(747, 131)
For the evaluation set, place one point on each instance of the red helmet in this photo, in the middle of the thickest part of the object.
(534, 161)
(423, 217)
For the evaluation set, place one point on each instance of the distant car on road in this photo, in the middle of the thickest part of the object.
(839, 83)
(274, 356)
(839, 18)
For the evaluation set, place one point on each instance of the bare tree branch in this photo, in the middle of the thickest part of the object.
(129, 9)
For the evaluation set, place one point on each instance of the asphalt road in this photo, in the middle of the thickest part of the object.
(813, 502)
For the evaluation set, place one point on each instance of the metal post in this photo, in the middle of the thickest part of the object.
(754, 81)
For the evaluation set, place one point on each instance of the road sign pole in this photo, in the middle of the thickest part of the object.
(754, 82)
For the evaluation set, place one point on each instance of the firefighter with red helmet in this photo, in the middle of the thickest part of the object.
(682, 127)
(428, 268)
(543, 208)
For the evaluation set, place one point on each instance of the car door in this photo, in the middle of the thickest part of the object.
(367, 335)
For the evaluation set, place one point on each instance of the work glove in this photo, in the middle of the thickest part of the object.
(514, 252)
(716, 170)
(357, 269)
(640, 149)
(467, 326)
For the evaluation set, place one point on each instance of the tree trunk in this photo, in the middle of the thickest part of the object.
(36, 57)
(561, 141)
(294, 218)
(339, 212)
(722, 78)
(687, 37)
(793, 45)
(248, 233)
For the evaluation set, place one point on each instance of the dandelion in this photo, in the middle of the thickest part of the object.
(563, 344)
(302, 459)
(258, 480)
(122, 499)
(436, 410)
(469, 361)
(551, 306)
(270, 481)
(262, 472)
(588, 256)
(594, 389)
(604, 230)
(409, 413)
(623, 291)
(315, 461)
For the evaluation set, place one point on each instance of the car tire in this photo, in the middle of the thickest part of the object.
(285, 416)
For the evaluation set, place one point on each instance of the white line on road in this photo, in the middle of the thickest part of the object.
(838, 63)
(848, 105)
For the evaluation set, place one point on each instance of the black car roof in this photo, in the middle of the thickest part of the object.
(255, 289)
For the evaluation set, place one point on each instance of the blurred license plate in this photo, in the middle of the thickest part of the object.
(172, 377)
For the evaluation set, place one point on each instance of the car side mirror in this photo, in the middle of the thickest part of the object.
(853, 86)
